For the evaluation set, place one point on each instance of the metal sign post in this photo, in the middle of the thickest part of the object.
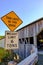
(12, 21)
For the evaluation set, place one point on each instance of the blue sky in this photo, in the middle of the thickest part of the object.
(27, 10)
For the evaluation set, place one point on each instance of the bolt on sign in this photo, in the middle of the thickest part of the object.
(11, 40)
(11, 20)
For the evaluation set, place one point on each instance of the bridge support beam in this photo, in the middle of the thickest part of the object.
(35, 41)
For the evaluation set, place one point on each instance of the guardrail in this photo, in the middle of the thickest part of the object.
(32, 59)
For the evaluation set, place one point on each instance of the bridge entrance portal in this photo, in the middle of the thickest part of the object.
(40, 40)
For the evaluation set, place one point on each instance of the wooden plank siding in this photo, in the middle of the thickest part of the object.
(31, 30)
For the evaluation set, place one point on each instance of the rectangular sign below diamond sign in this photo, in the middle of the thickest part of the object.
(11, 40)
(11, 20)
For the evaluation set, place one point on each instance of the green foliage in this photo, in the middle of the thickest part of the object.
(2, 37)
(4, 55)
(2, 52)
(7, 55)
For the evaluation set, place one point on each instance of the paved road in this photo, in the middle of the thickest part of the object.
(40, 59)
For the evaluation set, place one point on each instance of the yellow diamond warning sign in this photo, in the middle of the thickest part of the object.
(11, 20)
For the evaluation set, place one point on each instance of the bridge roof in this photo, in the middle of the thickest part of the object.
(31, 23)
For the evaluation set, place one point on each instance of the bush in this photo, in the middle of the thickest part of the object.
(4, 55)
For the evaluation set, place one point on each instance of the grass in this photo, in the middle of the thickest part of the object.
(1, 37)
(2, 52)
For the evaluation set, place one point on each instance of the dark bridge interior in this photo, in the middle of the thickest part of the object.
(40, 40)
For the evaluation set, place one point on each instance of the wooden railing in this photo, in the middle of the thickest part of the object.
(32, 59)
